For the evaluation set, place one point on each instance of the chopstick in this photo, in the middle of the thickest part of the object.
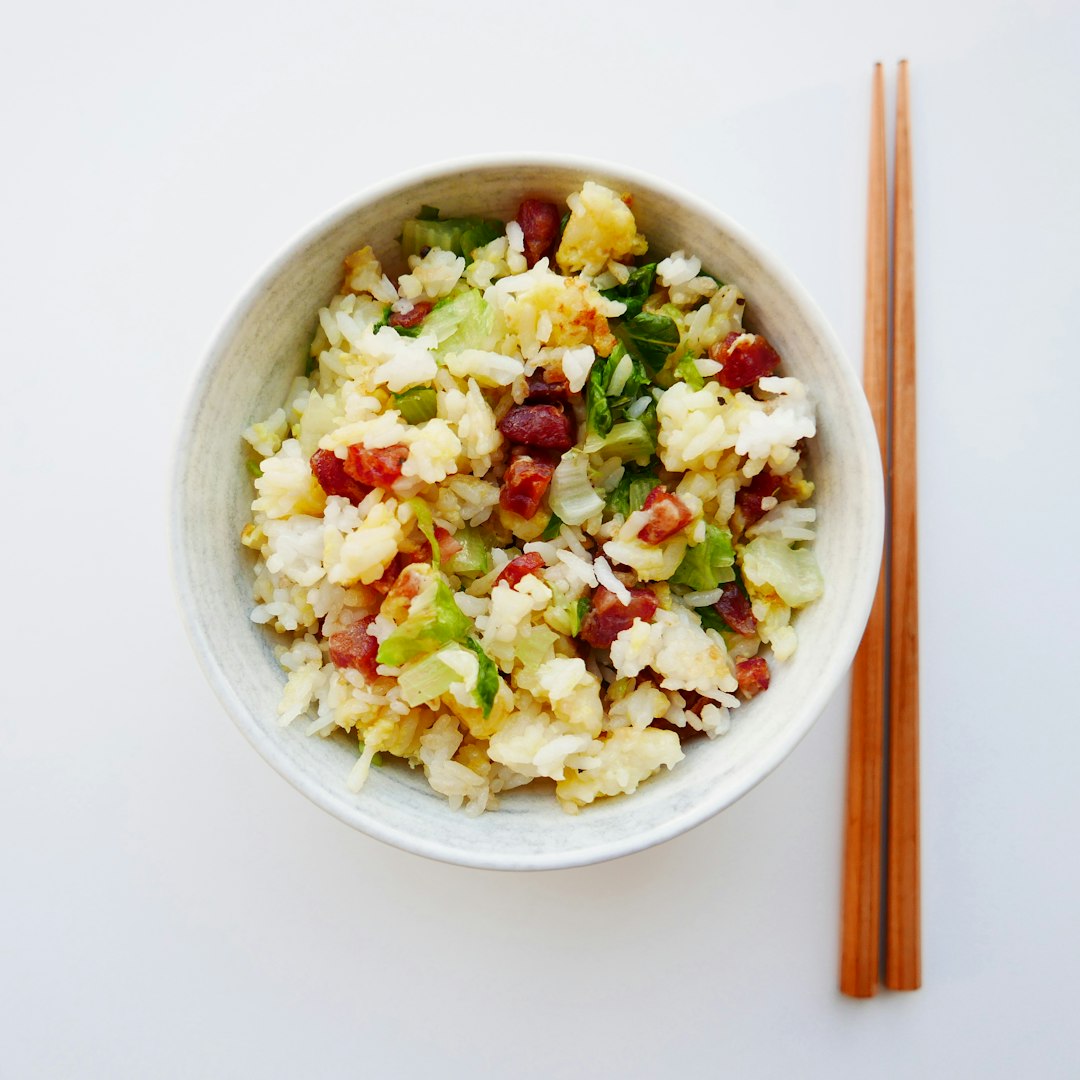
(861, 926)
(903, 965)
(892, 628)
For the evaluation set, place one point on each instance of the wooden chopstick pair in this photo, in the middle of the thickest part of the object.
(892, 630)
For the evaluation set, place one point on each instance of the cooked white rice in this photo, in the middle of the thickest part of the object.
(616, 637)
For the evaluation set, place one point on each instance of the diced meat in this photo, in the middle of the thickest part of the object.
(355, 647)
(408, 584)
(693, 701)
(329, 470)
(539, 221)
(667, 515)
(547, 387)
(543, 426)
(448, 546)
(521, 567)
(763, 486)
(608, 616)
(385, 583)
(379, 468)
(406, 320)
(753, 676)
(734, 608)
(746, 358)
(524, 484)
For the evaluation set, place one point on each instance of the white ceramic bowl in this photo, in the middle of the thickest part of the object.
(262, 345)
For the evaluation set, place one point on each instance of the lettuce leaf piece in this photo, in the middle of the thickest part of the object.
(425, 631)
(630, 440)
(474, 558)
(571, 494)
(551, 529)
(708, 564)
(426, 679)
(578, 611)
(534, 644)
(792, 572)
(416, 405)
(635, 291)
(687, 370)
(633, 489)
(711, 620)
(465, 321)
(427, 527)
(460, 235)
(487, 681)
(597, 411)
(649, 338)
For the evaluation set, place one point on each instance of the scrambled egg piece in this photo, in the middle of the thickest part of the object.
(627, 757)
(601, 229)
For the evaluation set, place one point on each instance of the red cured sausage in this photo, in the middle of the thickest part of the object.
(539, 222)
(608, 616)
(413, 317)
(448, 546)
(547, 388)
(525, 482)
(329, 470)
(354, 647)
(379, 468)
(746, 358)
(734, 608)
(763, 486)
(543, 426)
(753, 675)
(667, 515)
(521, 567)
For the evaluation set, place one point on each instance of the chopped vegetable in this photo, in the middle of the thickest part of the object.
(465, 321)
(635, 291)
(687, 370)
(535, 645)
(474, 558)
(578, 612)
(632, 490)
(708, 564)
(649, 338)
(427, 678)
(416, 405)
(425, 631)
(427, 527)
(462, 236)
(487, 680)
(792, 573)
(551, 530)
(597, 409)
(571, 495)
(629, 440)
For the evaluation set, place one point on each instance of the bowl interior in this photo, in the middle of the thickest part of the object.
(263, 345)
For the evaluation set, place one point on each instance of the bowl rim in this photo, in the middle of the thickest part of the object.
(351, 810)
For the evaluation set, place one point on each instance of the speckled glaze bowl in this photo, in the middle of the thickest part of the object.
(262, 345)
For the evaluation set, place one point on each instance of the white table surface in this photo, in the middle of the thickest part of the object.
(168, 905)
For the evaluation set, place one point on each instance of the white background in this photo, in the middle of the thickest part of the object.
(168, 905)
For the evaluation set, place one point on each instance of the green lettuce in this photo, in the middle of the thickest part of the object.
(649, 338)
(416, 405)
(487, 680)
(708, 564)
(635, 291)
(791, 572)
(425, 631)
